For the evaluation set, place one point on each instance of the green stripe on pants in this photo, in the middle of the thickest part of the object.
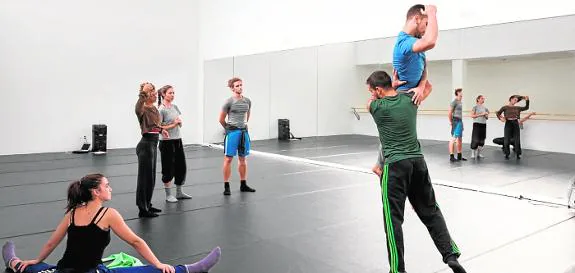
(393, 262)
(455, 248)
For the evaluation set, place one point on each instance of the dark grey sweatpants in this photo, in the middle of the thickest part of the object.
(147, 151)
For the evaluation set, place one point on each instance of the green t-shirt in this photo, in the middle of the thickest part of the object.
(396, 120)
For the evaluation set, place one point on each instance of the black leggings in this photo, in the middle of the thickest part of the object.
(478, 135)
(499, 141)
(173, 161)
(512, 131)
(147, 151)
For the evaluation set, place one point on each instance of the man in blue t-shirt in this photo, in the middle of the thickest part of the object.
(418, 35)
(410, 74)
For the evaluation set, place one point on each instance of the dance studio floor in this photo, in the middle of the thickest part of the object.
(320, 215)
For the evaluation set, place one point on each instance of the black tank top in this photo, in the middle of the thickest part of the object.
(85, 245)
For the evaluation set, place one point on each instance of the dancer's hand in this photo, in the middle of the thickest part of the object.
(395, 82)
(418, 95)
(371, 99)
(430, 9)
(165, 133)
(166, 268)
(27, 263)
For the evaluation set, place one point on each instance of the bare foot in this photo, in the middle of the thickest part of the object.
(376, 170)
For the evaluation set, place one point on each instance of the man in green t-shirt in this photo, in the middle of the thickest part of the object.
(405, 173)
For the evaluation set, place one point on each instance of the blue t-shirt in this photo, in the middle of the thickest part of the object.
(408, 64)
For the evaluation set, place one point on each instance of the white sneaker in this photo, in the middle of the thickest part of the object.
(171, 199)
(473, 153)
(182, 195)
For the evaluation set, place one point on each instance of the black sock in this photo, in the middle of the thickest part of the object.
(459, 156)
(227, 188)
(245, 188)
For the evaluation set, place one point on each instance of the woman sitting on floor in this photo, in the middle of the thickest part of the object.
(87, 224)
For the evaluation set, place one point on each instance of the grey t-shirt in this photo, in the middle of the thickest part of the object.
(236, 110)
(167, 117)
(480, 109)
(457, 109)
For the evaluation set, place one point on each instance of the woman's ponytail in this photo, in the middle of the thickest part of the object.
(80, 192)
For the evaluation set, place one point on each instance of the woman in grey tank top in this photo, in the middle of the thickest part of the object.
(479, 113)
(173, 157)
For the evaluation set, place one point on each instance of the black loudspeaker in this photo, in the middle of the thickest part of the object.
(99, 134)
(283, 129)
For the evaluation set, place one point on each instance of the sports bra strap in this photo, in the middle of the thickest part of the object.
(96, 216)
(101, 216)
(72, 216)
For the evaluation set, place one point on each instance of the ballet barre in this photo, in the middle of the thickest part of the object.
(357, 110)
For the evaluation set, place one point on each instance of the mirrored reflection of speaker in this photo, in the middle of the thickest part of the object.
(283, 129)
(99, 135)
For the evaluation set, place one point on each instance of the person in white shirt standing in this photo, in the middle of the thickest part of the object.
(173, 157)
(480, 114)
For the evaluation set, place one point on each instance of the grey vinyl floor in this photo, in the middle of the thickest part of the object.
(306, 217)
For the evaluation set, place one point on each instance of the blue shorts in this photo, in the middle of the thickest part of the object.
(233, 144)
(457, 128)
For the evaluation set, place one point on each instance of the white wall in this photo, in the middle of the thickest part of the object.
(256, 75)
(216, 75)
(316, 87)
(243, 27)
(541, 77)
(521, 38)
(337, 89)
(545, 79)
(67, 65)
(313, 87)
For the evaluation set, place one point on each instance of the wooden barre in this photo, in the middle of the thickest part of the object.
(440, 112)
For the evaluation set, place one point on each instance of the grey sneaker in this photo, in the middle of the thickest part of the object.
(183, 195)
